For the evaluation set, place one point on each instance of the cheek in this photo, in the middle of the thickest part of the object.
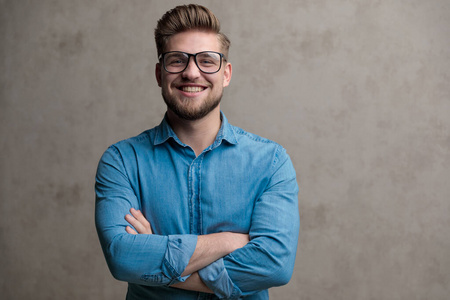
(165, 81)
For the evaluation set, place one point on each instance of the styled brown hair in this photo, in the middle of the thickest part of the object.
(188, 17)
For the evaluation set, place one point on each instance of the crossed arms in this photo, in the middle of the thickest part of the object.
(209, 248)
(226, 263)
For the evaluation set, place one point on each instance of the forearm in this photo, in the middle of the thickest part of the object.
(193, 283)
(213, 246)
(264, 260)
(149, 259)
(146, 259)
(210, 248)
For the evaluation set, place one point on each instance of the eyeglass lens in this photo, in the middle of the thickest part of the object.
(207, 62)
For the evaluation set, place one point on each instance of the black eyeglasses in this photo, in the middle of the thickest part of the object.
(208, 62)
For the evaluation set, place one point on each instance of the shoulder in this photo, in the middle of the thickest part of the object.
(132, 146)
(252, 139)
(259, 146)
(138, 140)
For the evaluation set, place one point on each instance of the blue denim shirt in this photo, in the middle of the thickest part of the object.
(241, 183)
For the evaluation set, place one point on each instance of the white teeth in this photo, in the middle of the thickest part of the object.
(192, 89)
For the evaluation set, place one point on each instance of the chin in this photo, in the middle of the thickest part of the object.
(190, 113)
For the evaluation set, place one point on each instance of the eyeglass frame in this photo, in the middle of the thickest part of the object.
(161, 59)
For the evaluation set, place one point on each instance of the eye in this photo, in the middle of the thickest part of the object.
(175, 59)
(207, 59)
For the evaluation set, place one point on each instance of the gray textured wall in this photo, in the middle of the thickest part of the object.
(357, 91)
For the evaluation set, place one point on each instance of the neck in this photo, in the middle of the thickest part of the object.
(198, 134)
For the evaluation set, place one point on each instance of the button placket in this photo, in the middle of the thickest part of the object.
(195, 193)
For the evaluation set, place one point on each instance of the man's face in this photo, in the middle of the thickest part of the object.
(192, 94)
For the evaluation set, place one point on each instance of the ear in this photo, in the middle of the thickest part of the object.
(158, 73)
(227, 74)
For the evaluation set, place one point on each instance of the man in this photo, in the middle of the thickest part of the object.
(196, 208)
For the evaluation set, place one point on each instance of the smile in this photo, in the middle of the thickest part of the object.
(192, 89)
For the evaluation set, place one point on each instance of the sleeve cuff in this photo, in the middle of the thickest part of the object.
(179, 251)
(215, 276)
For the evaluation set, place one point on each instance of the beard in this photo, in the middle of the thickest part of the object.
(186, 111)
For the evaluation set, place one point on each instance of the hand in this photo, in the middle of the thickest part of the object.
(139, 222)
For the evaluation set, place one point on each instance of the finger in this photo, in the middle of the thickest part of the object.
(144, 226)
(130, 230)
(135, 223)
(139, 216)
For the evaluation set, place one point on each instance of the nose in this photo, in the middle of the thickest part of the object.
(191, 71)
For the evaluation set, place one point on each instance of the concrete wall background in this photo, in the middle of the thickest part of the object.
(357, 91)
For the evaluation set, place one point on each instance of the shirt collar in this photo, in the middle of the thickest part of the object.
(226, 132)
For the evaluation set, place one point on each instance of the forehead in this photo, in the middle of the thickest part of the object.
(193, 41)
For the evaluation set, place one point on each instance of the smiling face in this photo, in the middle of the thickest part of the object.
(192, 94)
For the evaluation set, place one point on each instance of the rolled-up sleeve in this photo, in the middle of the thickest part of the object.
(142, 259)
(216, 278)
(268, 259)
